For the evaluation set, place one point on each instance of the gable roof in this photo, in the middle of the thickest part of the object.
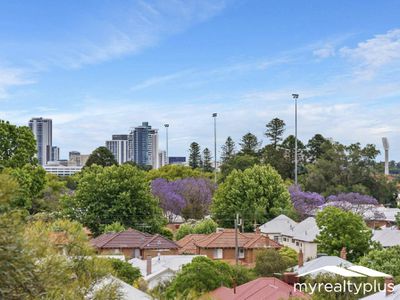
(132, 238)
(307, 230)
(388, 237)
(321, 262)
(187, 243)
(279, 225)
(226, 239)
(264, 288)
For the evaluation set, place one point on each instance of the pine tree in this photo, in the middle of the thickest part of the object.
(194, 155)
(228, 150)
(207, 161)
(275, 130)
(249, 144)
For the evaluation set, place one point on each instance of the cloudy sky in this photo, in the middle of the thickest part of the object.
(101, 67)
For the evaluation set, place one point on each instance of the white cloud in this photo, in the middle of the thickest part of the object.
(11, 77)
(324, 52)
(375, 53)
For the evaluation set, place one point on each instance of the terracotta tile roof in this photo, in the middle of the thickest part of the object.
(226, 239)
(132, 238)
(187, 243)
(264, 288)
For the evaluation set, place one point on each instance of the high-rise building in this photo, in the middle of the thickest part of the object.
(144, 145)
(55, 153)
(119, 147)
(43, 132)
(75, 158)
(162, 158)
(177, 160)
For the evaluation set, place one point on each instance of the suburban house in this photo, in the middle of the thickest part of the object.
(132, 243)
(298, 236)
(126, 291)
(187, 243)
(318, 264)
(161, 268)
(381, 216)
(264, 288)
(387, 237)
(221, 245)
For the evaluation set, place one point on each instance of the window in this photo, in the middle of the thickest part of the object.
(297, 243)
(276, 238)
(293, 241)
(241, 253)
(218, 253)
(284, 239)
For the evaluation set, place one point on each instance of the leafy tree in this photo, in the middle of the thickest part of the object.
(183, 231)
(268, 262)
(257, 194)
(249, 144)
(207, 161)
(17, 146)
(203, 275)
(384, 260)
(101, 157)
(32, 181)
(305, 202)
(398, 220)
(289, 256)
(125, 271)
(340, 229)
(205, 226)
(228, 150)
(194, 156)
(166, 232)
(277, 158)
(174, 172)
(114, 194)
(189, 197)
(289, 145)
(314, 147)
(238, 162)
(275, 130)
(113, 227)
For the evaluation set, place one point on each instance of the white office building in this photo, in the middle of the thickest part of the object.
(119, 147)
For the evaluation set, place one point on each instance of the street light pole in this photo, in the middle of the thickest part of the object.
(166, 138)
(214, 115)
(295, 97)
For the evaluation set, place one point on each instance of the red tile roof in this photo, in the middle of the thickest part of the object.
(132, 238)
(226, 239)
(264, 288)
(187, 243)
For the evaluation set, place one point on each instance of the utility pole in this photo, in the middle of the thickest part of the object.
(236, 239)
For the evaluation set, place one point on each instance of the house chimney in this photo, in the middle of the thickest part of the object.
(301, 258)
(343, 253)
(148, 265)
(389, 285)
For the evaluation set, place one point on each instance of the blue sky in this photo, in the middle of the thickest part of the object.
(101, 67)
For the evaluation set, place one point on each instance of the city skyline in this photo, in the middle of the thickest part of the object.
(179, 64)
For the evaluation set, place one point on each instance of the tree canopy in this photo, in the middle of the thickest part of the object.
(195, 156)
(105, 195)
(101, 157)
(257, 194)
(275, 130)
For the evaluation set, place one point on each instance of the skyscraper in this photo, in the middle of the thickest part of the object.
(55, 153)
(144, 145)
(119, 147)
(43, 132)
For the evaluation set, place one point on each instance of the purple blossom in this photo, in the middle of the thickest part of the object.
(353, 199)
(305, 202)
(190, 197)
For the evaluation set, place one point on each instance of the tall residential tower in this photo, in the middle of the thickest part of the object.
(43, 131)
(143, 145)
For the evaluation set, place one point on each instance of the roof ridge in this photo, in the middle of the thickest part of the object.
(148, 241)
(113, 236)
(217, 235)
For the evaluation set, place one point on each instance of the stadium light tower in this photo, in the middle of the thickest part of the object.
(386, 148)
(295, 97)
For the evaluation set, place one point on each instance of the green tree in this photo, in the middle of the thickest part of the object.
(275, 130)
(166, 232)
(114, 194)
(228, 150)
(17, 146)
(384, 260)
(398, 220)
(277, 158)
(113, 227)
(205, 226)
(175, 172)
(314, 147)
(183, 231)
(101, 157)
(238, 162)
(194, 156)
(289, 255)
(249, 144)
(340, 229)
(207, 161)
(125, 271)
(257, 194)
(203, 275)
(268, 262)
